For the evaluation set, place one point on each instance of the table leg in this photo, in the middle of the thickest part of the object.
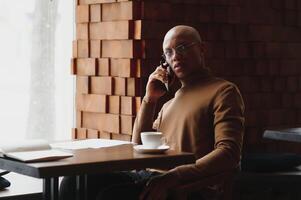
(50, 188)
(54, 188)
(46, 189)
(81, 187)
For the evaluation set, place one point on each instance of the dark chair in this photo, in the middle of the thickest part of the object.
(267, 176)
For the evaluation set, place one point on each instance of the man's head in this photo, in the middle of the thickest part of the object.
(184, 51)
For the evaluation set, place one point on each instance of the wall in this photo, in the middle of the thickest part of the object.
(254, 43)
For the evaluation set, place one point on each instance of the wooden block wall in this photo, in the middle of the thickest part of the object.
(113, 54)
(257, 45)
(254, 43)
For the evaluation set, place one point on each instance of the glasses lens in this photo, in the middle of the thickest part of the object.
(181, 49)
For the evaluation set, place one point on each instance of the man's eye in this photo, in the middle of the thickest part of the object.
(169, 52)
(181, 48)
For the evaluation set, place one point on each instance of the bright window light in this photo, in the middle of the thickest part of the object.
(36, 85)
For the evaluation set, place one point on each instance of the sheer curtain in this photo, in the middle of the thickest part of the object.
(36, 86)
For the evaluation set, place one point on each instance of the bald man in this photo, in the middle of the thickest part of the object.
(205, 117)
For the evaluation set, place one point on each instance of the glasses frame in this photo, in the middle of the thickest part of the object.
(178, 51)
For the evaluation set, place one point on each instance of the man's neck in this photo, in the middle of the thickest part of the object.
(195, 77)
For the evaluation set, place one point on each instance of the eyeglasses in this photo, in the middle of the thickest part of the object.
(181, 49)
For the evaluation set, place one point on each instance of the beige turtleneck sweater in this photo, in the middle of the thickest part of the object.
(206, 117)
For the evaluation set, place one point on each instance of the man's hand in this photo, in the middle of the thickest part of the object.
(155, 86)
(157, 187)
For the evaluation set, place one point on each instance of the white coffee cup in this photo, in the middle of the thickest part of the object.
(152, 140)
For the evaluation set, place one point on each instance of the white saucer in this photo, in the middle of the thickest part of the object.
(143, 149)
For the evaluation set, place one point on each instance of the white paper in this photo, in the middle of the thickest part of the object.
(23, 145)
(43, 155)
(31, 150)
(89, 143)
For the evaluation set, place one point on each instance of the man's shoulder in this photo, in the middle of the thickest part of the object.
(220, 83)
(221, 87)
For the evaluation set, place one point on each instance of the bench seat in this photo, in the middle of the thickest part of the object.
(22, 188)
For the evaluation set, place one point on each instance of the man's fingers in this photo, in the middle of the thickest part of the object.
(161, 69)
(160, 74)
(159, 77)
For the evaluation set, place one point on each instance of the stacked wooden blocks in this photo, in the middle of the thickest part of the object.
(117, 45)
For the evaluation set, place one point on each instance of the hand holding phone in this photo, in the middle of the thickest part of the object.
(171, 75)
(157, 85)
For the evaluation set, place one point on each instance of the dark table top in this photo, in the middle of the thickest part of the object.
(288, 134)
(89, 161)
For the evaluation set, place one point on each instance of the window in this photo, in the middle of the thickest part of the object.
(36, 85)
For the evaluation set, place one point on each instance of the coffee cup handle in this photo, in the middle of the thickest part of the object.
(164, 141)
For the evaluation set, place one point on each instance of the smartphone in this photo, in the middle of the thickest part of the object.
(171, 75)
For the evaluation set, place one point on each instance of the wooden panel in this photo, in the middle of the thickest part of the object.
(95, 13)
(122, 48)
(74, 49)
(73, 133)
(95, 1)
(79, 119)
(133, 87)
(112, 123)
(105, 135)
(151, 29)
(83, 48)
(101, 85)
(82, 84)
(117, 30)
(132, 48)
(156, 10)
(121, 11)
(133, 67)
(124, 67)
(73, 66)
(127, 105)
(114, 104)
(86, 66)
(95, 48)
(81, 133)
(82, 31)
(94, 120)
(130, 105)
(148, 49)
(105, 122)
(91, 103)
(119, 86)
(138, 70)
(137, 104)
(147, 66)
(82, 14)
(127, 124)
(124, 137)
(92, 133)
(103, 67)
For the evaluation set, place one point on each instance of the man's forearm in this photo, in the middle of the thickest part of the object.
(144, 119)
(221, 160)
